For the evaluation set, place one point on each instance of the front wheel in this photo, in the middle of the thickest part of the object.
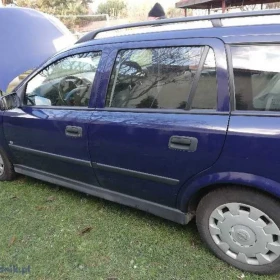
(7, 172)
(242, 227)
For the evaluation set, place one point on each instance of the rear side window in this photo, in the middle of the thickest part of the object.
(256, 71)
(162, 78)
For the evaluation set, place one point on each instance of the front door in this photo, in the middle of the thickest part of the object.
(48, 134)
(162, 119)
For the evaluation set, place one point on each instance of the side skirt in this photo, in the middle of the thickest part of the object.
(165, 212)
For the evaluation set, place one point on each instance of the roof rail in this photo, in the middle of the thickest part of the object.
(215, 20)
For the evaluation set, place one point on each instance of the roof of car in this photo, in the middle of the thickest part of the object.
(231, 28)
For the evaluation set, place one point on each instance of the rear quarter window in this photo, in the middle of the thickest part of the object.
(256, 70)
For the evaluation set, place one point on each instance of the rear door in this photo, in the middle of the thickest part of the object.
(252, 146)
(162, 119)
(48, 134)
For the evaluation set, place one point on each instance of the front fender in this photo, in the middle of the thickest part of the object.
(191, 188)
(3, 141)
(2, 137)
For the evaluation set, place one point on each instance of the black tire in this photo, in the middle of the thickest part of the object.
(8, 172)
(218, 198)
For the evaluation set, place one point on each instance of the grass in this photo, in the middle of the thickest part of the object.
(64, 234)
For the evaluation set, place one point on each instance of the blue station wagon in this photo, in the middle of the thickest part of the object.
(177, 117)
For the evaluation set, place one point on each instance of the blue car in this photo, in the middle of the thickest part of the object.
(177, 119)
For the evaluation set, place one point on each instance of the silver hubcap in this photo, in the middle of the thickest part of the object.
(1, 166)
(245, 233)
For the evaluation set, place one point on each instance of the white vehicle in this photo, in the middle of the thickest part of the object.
(28, 38)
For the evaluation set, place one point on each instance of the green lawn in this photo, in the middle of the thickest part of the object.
(42, 226)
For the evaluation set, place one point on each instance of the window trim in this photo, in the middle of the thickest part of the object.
(232, 102)
(250, 113)
(51, 62)
(163, 111)
(74, 108)
(197, 77)
(218, 46)
(194, 85)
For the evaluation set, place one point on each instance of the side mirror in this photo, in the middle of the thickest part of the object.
(9, 101)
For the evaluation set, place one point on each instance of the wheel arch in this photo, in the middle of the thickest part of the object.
(193, 191)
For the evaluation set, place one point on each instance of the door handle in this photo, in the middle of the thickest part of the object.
(74, 131)
(183, 143)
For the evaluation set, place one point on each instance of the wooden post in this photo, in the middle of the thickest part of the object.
(185, 12)
(223, 6)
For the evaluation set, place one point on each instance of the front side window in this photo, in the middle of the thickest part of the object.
(67, 82)
(256, 70)
(161, 78)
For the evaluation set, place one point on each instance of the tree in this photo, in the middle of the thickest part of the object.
(57, 7)
(60, 7)
(139, 79)
(175, 12)
(148, 102)
(6, 2)
(113, 8)
(248, 8)
(273, 5)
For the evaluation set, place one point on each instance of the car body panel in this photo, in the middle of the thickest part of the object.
(250, 157)
(125, 153)
(213, 179)
(29, 128)
(131, 143)
(139, 142)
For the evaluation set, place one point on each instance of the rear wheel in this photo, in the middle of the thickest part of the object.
(242, 227)
(7, 172)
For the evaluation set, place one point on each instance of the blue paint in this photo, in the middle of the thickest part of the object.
(232, 148)
(250, 157)
(44, 130)
(139, 141)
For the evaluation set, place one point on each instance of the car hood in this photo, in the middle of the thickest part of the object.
(28, 38)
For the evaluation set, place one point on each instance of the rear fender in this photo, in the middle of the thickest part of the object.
(212, 181)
